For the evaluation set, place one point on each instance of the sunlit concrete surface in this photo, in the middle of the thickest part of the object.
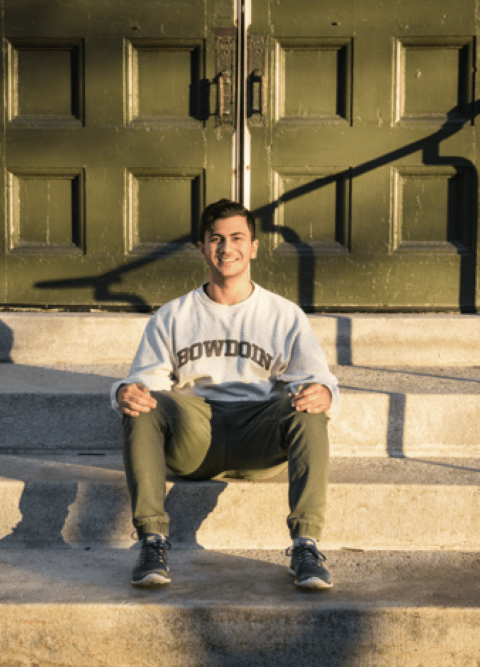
(402, 534)
(377, 503)
(77, 607)
(358, 339)
(401, 411)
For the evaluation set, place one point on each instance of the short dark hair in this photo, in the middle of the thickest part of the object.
(220, 210)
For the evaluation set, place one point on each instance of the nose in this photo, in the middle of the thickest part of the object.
(225, 246)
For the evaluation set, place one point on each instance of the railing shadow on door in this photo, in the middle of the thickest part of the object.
(430, 148)
(102, 284)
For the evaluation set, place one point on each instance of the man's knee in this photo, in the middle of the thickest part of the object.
(312, 425)
(142, 420)
(289, 412)
(318, 419)
(170, 412)
(307, 430)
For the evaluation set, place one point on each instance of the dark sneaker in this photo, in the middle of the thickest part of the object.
(151, 568)
(306, 565)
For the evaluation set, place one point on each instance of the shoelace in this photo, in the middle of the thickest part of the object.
(153, 552)
(306, 553)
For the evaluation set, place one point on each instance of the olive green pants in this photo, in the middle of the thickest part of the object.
(199, 440)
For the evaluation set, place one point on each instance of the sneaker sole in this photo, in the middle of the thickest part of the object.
(314, 583)
(151, 580)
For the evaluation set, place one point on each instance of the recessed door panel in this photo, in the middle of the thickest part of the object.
(364, 171)
(113, 146)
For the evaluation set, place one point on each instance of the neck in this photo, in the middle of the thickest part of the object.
(229, 294)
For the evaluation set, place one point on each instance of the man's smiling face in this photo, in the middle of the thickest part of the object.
(228, 248)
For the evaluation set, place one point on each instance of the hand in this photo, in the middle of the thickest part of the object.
(134, 399)
(314, 398)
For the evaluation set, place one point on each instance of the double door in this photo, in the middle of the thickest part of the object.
(349, 128)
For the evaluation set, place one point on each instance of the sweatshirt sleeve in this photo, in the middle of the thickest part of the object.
(305, 360)
(153, 364)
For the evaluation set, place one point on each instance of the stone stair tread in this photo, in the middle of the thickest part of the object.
(395, 504)
(67, 467)
(432, 339)
(107, 468)
(368, 422)
(241, 578)
(409, 379)
(97, 379)
(238, 608)
(60, 378)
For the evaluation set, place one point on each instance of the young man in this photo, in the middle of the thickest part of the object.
(228, 377)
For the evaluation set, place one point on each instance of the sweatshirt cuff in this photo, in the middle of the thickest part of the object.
(113, 396)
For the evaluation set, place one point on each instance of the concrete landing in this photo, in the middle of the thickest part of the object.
(237, 609)
(372, 503)
(241, 577)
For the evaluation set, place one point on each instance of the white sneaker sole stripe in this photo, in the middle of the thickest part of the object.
(313, 582)
(152, 579)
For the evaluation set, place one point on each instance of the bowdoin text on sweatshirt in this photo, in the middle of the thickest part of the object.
(256, 350)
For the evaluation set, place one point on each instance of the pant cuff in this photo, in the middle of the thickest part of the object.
(305, 530)
(152, 526)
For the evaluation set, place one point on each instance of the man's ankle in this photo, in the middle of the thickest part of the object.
(300, 540)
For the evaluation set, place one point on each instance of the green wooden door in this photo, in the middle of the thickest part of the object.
(363, 157)
(112, 145)
(357, 147)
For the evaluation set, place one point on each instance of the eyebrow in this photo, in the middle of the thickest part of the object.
(239, 233)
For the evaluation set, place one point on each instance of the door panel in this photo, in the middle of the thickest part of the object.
(364, 174)
(112, 149)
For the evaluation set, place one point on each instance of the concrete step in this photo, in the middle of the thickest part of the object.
(238, 609)
(372, 504)
(360, 339)
(406, 411)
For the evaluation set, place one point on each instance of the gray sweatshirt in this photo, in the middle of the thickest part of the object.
(256, 350)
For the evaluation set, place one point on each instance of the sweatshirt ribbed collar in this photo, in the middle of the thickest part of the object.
(221, 307)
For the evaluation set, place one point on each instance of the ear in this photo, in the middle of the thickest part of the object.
(200, 247)
(255, 248)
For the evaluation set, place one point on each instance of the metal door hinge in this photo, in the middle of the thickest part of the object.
(225, 49)
(257, 47)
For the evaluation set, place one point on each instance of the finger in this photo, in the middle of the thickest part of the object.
(317, 393)
(321, 401)
(134, 388)
(144, 391)
(313, 404)
(132, 406)
(130, 413)
(135, 403)
(314, 393)
(140, 401)
(310, 389)
(303, 398)
(313, 408)
(140, 397)
(149, 405)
